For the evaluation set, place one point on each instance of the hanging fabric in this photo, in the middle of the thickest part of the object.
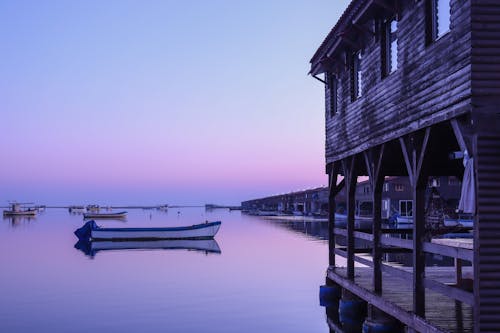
(467, 202)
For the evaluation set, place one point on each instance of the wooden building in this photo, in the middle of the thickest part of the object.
(397, 195)
(413, 89)
(307, 202)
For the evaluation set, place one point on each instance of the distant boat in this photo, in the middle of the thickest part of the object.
(77, 209)
(462, 221)
(199, 231)
(16, 210)
(90, 248)
(117, 215)
(93, 208)
(404, 219)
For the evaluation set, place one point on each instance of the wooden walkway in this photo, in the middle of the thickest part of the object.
(442, 314)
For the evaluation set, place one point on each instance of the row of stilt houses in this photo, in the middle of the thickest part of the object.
(413, 89)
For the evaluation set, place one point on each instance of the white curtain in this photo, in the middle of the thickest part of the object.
(467, 202)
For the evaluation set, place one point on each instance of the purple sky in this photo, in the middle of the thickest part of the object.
(146, 102)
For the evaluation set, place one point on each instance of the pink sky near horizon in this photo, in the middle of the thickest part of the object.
(160, 102)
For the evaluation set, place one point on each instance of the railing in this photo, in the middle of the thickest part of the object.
(392, 244)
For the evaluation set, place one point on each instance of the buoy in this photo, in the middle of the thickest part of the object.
(329, 295)
(352, 314)
(382, 326)
(352, 308)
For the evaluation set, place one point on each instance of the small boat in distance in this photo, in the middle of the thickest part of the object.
(117, 215)
(17, 210)
(404, 219)
(465, 221)
(77, 209)
(91, 231)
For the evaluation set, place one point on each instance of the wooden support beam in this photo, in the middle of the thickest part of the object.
(363, 29)
(388, 5)
(353, 44)
(406, 157)
(459, 136)
(350, 177)
(334, 189)
(373, 160)
(414, 147)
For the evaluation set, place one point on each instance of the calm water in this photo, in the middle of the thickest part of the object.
(265, 279)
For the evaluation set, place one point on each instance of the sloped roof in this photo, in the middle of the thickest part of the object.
(355, 9)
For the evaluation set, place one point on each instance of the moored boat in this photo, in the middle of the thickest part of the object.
(198, 231)
(461, 221)
(117, 215)
(77, 209)
(16, 210)
(404, 219)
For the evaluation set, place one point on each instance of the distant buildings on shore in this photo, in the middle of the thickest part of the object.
(396, 199)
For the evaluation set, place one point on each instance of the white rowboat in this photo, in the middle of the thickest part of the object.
(91, 231)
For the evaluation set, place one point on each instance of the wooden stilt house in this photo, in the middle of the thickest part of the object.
(413, 89)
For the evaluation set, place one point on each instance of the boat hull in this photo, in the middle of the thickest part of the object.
(404, 220)
(119, 215)
(465, 223)
(200, 231)
(19, 213)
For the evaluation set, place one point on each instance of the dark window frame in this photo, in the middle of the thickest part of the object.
(432, 21)
(332, 86)
(388, 37)
(356, 76)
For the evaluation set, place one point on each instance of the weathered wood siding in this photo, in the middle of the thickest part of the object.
(432, 83)
(487, 234)
(485, 18)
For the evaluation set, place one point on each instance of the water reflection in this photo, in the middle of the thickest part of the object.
(319, 230)
(90, 248)
(16, 221)
(47, 285)
(316, 229)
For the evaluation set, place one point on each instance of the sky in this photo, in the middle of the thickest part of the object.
(147, 102)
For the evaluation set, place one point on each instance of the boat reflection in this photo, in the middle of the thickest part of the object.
(16, 221)
(90, 248)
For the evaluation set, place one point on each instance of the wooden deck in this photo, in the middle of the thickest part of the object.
(442, 314)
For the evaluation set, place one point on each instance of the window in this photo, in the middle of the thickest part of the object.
(399, 187)
(438, 19)
(453, 181)
(405, 208)
(390, 46)
(386, 187)
(332, 93)
(385, 204)
(356, 76)
(434, 182)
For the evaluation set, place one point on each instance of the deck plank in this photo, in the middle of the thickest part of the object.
(442, 312)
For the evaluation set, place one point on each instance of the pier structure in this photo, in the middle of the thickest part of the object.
(412, 88)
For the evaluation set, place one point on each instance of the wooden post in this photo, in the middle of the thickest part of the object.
(373, 160)
(414, 153)
(350, 178)
(334, 189)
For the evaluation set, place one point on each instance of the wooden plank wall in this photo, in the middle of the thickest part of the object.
(487, 233)
(485, 18)
(432, 83)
